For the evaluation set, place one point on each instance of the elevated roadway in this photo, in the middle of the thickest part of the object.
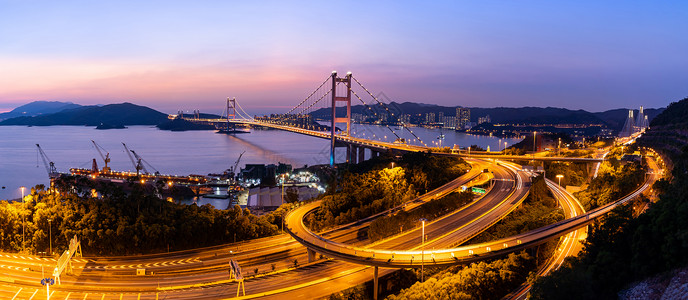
(390, 257)
(384, 146)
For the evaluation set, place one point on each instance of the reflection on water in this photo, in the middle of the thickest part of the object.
(177, 153)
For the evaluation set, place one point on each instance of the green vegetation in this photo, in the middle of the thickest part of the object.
(614, 180)
(623, 249)
(119, 224)
(390, 225)
(478, 281)
(574, 173)
(374, 186)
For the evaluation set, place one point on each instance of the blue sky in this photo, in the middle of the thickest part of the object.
(592, 55)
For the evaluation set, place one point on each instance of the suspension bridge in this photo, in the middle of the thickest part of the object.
(335, 94)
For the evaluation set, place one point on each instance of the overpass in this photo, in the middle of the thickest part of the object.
(448, 256)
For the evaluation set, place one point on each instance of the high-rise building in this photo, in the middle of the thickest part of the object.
(405, 119)
(463, 118)
(429, 118)
(485, 119)
(449, 122)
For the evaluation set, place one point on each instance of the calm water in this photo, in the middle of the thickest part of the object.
(180, 153)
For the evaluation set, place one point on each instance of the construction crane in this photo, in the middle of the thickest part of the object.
(139, 163)
(49, 164)
(236, 164)
(106, 157)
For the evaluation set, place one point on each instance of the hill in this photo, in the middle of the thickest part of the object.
(613, 119)
(116, 114)
(624, 248)
(38, 108)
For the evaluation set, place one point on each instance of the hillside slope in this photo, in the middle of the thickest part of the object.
(115, 114)
(38, 108)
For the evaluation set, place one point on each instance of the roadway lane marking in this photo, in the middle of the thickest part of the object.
(19, 291)
(68, 294)
(34, 294)
(85, 296)
(15, 268)
(51, 294)
(101, 298)
(139, 298)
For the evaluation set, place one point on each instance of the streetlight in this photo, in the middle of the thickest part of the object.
(392, 165)
(534, 139)
(559, 176)
(504, 146)
(23, 217)
(422, 252)
(50, 226)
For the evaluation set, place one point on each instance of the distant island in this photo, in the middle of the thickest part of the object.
(183, 125)
(37, 108)
(122, 114)
(109, 126)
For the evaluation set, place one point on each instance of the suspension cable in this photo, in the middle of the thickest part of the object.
(304, 100)
(366, 105)
(387, 109)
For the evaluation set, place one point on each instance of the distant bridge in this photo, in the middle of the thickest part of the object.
(339, 89)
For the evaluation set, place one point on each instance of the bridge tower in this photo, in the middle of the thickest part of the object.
(335, 99)
(231, 113)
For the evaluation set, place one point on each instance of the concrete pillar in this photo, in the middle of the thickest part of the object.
(348, 153)
(361, 154)
(375, 284)
(311, 255)
(354, 154)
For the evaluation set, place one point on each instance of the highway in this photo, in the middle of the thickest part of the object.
(568, 245)
(117, 269)
(319, 279)
(388, 257)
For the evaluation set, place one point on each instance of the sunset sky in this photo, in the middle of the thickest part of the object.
(592, 55)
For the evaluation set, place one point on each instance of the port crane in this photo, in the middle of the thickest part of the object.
(106, 157)
(49, 164)
(138, 163)
(236, 164)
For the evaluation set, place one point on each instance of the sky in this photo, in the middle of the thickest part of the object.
(185, 55)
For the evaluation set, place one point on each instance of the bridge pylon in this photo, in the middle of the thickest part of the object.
(335, 99)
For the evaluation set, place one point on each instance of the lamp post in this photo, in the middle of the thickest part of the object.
(422, 251)
(50, 226)
(504, 147)
(23, 217)
(534, 139)
(559, 176)
(283, 201)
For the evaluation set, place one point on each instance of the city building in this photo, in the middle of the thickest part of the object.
(463, 118)
(429, 118)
